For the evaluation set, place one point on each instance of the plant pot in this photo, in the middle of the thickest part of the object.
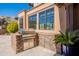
(70, 50)
(65, 50)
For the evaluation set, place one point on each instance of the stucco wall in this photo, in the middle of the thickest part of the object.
(76, 17)
(40, 8)
(66, 17)
(23, 14)
(36, 10)
(62, 18)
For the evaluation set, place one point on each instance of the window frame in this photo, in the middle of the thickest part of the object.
(37, 20)
(46, 19)
(29, 19)
(21, 23)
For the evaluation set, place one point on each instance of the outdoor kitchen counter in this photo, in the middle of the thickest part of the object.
(29, 40)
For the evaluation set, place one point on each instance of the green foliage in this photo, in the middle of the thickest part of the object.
(12, 27)
(67, 38)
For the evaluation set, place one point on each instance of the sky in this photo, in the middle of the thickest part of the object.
(12, 9)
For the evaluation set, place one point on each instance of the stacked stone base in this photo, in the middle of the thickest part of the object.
(47, 41)
(17, 42)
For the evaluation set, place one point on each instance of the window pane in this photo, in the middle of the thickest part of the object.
(21, 22)
(50, 18)
(46, 19)
(42, 17)
(32, 21)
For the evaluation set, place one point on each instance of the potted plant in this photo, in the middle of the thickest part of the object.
(16, 38)
(67, 41)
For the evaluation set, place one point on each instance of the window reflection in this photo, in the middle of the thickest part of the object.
(46, 19)
(32, 21)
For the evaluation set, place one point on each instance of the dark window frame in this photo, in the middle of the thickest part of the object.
(50, 23)
(21, 22)
(34, 24)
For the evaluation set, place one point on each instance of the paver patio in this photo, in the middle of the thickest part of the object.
(6, 50)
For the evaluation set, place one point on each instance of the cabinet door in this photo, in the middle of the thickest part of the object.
(26, 44)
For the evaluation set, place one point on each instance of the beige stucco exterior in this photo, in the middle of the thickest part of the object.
(23, 14)
(45, 36)
(39, 9)
(65, 17)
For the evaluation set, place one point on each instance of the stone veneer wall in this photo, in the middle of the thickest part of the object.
(46, 41)
(17, 42)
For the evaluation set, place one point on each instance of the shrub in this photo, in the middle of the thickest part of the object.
(12, 27)
(67, 38)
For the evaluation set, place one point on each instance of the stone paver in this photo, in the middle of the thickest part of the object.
(6, 50)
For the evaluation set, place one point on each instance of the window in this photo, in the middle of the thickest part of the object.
(46, 19)
(32, 21)
(21, 22)
(50, 18)
(42, 17)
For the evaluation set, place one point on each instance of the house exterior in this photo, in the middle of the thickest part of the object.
(48, 19)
